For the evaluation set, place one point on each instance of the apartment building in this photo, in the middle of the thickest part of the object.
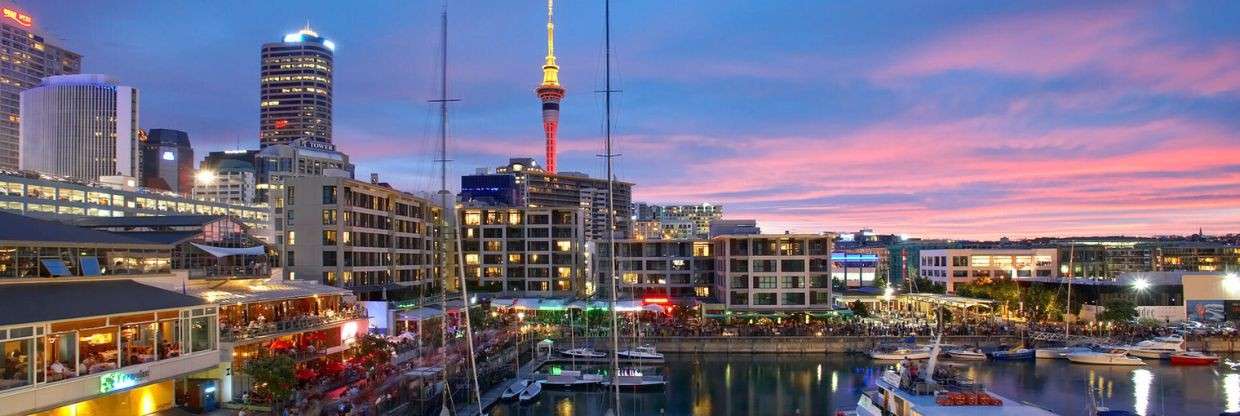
(790, 272)
(535, 251)
(952, 266)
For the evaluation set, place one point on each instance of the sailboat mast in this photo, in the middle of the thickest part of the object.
(613, 285)
(1068, 306)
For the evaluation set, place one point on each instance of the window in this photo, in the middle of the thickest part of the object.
(740, 298)
(329, 194)
(792, 282)
(735, 265)
(740, 282)
(792, 265)
(329, 258)
(765, 282)
(137, 343)
(764, 299)
(289, 259)
(960, 261)
(170, 336)
(329, 217)
(292, 238)
(288, 195)
(329, 237)
(202, 333)
(97, 350)
(18, 364)
(793, 299)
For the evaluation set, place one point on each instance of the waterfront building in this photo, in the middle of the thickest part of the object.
(537, 188)
(83, 335)
(363, 236)
(673, 269)
(28, 58)
(854, 269)
(733, 227)
(167, 161)
(952, 266)
(276, 162)
(682, 221)
(1108, 258)
(204, 246)
(80, 126)
(229, 182)
(295, 90)
(774, 272)
(43, 196)
(529, 251)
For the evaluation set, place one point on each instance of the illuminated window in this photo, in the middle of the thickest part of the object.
(471, 259)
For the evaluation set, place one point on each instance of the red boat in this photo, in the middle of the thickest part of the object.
(1193, 358)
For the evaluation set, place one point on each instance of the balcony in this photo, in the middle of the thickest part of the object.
(255, 330)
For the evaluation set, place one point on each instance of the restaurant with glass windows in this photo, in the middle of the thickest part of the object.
(35, 248)
(65, 343)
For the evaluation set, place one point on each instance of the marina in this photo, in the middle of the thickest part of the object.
(820, 384)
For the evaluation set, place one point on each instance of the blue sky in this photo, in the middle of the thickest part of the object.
(965, 119)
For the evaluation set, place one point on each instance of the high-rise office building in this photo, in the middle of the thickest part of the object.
(27, 60)
(167, 160)
(80, 126)
(295, 90)
(683, 220)
(230, 181)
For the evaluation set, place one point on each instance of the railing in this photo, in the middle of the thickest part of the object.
(262, 270)
(234, 334)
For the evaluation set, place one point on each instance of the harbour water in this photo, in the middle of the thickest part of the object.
(770, 384)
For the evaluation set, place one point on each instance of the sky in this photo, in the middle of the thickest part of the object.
(930, 118)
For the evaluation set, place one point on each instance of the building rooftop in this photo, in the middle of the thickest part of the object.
(261, 290)
(22, 303)
(20, 228)
(153, 221)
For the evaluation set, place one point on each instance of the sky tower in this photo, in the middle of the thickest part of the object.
(550, 91)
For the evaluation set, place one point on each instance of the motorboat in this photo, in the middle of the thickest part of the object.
(514, 390)
(583, 352)
(913, 352)
(634, 379)
(532, 391)
(1158, 347)
(572, 379)
(967, 354)
(1058, 352)
(1193, 358)
(1110, 356)
(645, 352)
(902, 394)
(1019, 353)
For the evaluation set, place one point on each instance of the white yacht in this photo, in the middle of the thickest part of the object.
(583, 352)
(1157, 348)
(1058, 352)
(645, 352)
(634, 379)
(967, 354)
(1110, 356)
(911, 352)
(572, 379)
(899, 394)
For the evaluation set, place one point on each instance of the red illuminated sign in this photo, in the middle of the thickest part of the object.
(19, 17)
(659, 301)
(281, 124)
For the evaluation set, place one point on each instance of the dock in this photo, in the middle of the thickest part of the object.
(490, 397)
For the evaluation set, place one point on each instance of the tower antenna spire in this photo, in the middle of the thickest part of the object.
(550, 92)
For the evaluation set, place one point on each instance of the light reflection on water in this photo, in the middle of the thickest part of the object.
(1141, 381)
(741, 384)
(1231, 392)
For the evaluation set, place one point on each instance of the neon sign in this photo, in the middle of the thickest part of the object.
(120, 380)
(21, 18)
(281, 124)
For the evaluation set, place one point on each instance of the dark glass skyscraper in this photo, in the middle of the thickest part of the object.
(167, 160)
(296, 90)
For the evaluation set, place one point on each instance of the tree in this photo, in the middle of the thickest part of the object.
(272, 373)
(372, 350)
(1119, 310)
(859, 308)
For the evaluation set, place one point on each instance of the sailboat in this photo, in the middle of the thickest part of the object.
(1063, 351)
(449, 211)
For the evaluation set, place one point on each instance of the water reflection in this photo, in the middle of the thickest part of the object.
(1141, 381)
(739, 384)
(1231, 392)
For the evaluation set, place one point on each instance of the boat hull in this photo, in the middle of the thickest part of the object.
(631, 387)
(966, 355)
(920, 355)
(1193, 360)
(1012, 355)
(1151, 354)
(1104, 359)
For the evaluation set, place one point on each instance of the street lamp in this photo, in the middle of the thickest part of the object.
(1141, 284)
(204, 177)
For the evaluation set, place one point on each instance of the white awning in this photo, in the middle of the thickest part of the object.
(232, 251)
(419, 314)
